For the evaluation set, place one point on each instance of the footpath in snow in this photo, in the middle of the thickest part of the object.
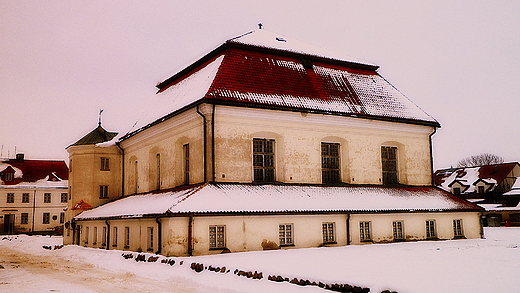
(477, 265)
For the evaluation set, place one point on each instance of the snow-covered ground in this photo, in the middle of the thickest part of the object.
(479, 265)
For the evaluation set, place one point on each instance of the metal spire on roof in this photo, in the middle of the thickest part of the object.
(260, 25)
(99, 119)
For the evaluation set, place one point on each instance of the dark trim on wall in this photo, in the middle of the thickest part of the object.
(205, 139)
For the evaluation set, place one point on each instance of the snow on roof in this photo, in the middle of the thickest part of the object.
(187, 91)
(515, 189)
(247, 198)
(266, 39)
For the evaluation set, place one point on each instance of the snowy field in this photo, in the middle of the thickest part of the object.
(480, 265)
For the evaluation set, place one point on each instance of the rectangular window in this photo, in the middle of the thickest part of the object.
(456, 190)
(263, 160)
(150, 238)
(114, 237)
(46, 218)
(87, 232)
(104, 236)
(389, 165)
(10, 197)
(105, 164)
(328, 232)
(398, 230)
(47, 198)
(481, 189)
(457, 229)
(285, 234)
(94, 236)
(186, 155)
(364, 231)
(330, 166)
(25, 197)
(103, 191)
(430, 229)
(217, 237)
(64, 197)
(158, 171)
(62, 217)
(25, 219)
(127, 237)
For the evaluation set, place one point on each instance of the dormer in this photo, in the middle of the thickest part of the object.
(484, 185)
(458, 187)
(7, 175)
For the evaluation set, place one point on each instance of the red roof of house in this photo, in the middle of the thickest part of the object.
(498, 172)
(261, 71)
(34, 170)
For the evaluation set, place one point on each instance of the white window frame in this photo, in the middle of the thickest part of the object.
(431, 230)
(398, 230)
(329, 232)
(458, 232)
(217, 237)
(286, 234)
(365, 231)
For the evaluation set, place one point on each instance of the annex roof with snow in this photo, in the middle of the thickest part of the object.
(43, 173)
(469, 177)
(268, 70)
(223, 198)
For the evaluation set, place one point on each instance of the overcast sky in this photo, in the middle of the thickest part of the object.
(62, 61)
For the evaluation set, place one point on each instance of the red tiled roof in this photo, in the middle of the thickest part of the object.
(81, 206)
(34, 170)
(268, 77)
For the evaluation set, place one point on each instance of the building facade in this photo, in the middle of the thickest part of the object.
(256, 142)
(33, 195)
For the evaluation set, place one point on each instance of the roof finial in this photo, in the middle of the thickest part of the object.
(260, 25)
(99, 119)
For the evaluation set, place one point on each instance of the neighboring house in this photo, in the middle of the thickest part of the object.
(33, 195)
(494, 187)
(264, 143)
(485, 183)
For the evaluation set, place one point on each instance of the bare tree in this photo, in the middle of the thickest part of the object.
(480, 160)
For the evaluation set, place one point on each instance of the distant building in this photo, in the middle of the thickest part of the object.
(494, 187)
(33, 195)
(265, 143)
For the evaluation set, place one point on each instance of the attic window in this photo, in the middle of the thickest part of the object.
(8, 176)
(280, 39)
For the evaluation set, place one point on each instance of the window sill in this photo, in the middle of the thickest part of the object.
(328, 243)
(286, 245)
(217, 248)
(459, 237)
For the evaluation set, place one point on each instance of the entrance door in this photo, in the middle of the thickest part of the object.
(8, 224)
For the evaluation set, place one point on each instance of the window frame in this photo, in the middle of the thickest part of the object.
(264, 160)
(150, 238)
(286, 234)
(431, 229)
(186, 163)
(398, 230)
(10, 197)
(330, 162)
(103, 191)
(24, 218)
(26, 197)
(127, 238)
(328, 230)
(217, 237)
(47, 197)
(104, 164)
(365, 231)
(64, 197)
(458, 231)
(46, 218)
(389, 165)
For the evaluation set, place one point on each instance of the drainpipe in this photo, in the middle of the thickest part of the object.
(159, 235)
(204, 141)
(348, 229)
(213, 177)
(108, 235)
(122, 168)
(431, 156)
(33, 210)
(73, 227)
(190, 235)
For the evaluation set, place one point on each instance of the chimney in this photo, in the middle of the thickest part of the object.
(20, 157)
